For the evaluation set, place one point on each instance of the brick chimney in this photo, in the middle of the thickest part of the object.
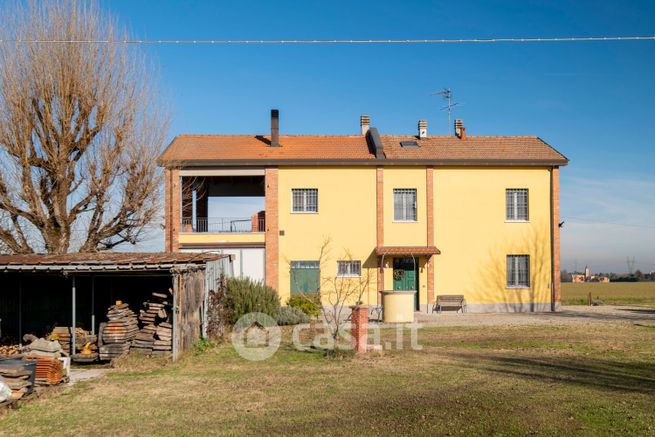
(275, 128)
(460, 130)
(365, 123)
(422, 129)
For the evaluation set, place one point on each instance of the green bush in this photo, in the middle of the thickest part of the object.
(243, 296)
(291, 316)
(309, 304)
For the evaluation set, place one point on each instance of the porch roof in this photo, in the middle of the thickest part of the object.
(407, 250)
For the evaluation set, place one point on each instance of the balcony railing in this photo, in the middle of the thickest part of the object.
(221, 225)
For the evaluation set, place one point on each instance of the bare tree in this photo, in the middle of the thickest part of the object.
(80, 131)
(336, 292)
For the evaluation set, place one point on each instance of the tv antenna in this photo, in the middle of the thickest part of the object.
(447, 95)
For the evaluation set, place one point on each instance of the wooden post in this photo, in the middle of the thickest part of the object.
(73, 322)
(589, 298)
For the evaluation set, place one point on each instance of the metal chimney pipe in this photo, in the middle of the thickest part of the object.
(275, 128)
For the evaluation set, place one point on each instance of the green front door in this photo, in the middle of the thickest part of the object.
(305, 277)
(405, 276)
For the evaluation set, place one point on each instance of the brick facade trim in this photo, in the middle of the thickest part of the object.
(429, 190)
(272, 233)
(172, 209)
(555, 238)
(379, 223)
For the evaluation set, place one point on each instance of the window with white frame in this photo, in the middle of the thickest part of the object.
(304, 200)
(518, 271)
(349, 269)
(516, 204)
(404, 204)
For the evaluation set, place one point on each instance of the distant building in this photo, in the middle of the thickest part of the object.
(588, 277)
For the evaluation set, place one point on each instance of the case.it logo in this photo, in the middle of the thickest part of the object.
(256, 336)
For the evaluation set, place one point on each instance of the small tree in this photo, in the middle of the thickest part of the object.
(336, 292)
(80, 131)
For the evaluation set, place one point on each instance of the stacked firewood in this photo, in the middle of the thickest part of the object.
(155, 336)
(9, 350)
(117, 334)
(62, 334)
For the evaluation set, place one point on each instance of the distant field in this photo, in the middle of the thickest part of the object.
(614, 293)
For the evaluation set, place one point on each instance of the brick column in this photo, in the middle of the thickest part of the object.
(555, 239)
(379, 223)
(429, 189)
(272, 235)
(359, 328)
(172, 209)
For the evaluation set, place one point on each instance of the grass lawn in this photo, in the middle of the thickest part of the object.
(613, 293)
(466, 381)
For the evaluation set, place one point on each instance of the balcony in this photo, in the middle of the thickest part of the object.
(225, 225)
(223, 205)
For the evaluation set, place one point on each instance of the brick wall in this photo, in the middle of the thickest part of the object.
(557, 286)
(272, 234)
(172, 209)
(429, 190)
(380, 225)
(359, 328)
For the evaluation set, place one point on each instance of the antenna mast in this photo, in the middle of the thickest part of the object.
(447, 95)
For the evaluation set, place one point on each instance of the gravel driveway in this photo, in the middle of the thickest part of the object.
(575, 314)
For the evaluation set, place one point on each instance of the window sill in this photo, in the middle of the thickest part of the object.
(304, 212)
(349, 276)
(518, 287)
(405, 221)
(517, 221)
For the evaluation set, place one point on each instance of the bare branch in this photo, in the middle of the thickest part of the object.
(80, 130)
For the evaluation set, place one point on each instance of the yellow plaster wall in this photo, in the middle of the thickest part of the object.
(404, 233)
(245, 237)
(474, 239)
(346, 217)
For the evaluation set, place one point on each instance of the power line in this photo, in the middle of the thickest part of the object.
(333, 41)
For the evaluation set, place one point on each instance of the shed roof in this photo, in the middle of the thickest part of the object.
(106, 261)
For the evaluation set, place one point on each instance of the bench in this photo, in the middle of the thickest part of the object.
(455, 301)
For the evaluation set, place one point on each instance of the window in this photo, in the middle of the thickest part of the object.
(516, 204)
(305, 277)
(404, 204)
(349, 269)
(518, 271)
(304, 200)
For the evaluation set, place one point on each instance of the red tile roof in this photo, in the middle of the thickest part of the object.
(315, 149)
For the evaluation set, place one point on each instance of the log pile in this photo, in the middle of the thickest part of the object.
(49, 371)
(156, 334)
(62, 334)
(117, 334)
(9, 350)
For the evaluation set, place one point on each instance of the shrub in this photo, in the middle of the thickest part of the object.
(243, 296)
(309, 304)
(291, 316)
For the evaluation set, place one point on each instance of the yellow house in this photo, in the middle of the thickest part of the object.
(476, 216)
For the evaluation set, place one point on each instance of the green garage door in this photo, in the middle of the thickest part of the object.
(305, 277)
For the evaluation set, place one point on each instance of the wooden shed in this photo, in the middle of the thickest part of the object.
(38, 292)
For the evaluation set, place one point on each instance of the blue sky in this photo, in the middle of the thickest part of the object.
(594, 101)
